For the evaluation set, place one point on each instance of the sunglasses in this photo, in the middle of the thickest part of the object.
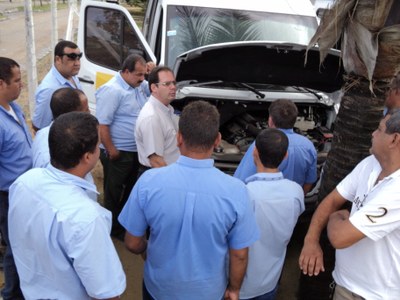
(73, 56)
(167, 83)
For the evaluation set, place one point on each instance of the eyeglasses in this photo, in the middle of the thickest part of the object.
(167, 83)
(73, 56)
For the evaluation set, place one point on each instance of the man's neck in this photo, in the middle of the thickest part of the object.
(5, 104)
(262, 169)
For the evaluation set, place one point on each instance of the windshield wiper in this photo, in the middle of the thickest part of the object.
(250, 88)
(302, 89)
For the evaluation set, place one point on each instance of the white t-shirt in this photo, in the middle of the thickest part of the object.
(370, 267)
(155, 132)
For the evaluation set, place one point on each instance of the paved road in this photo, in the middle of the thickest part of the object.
(12, 32)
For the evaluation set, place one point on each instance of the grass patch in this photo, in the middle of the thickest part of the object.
(47, 7)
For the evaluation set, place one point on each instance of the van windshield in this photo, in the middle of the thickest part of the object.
(189, 27)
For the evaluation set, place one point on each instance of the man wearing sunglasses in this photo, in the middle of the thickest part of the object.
(63, 74)
(157, 124)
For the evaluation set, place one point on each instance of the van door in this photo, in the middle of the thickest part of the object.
(107, 34)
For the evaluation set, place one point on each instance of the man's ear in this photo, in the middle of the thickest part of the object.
(217, 140)
(179, 139)
(256, 156)
(271, 123)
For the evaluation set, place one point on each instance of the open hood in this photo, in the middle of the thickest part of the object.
(261, 63)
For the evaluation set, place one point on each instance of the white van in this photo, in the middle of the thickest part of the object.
(238, 55)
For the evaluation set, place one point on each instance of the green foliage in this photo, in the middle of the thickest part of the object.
(140, 3)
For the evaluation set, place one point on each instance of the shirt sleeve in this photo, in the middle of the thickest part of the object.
(245, 230)
(132, 216)
(380, 215)
(42, 115)
(311, 172)
(246, 167)
(96, 261)
(152, 133)
(107, 102)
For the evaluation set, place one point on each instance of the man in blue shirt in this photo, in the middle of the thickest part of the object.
(197, 217)
(119, 102)
(62, 74)
(15, 159)
(64, 249)
(301, 163)
(63, 100)
(277, 202)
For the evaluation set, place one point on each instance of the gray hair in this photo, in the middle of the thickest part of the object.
(395, 83)
(393, 123)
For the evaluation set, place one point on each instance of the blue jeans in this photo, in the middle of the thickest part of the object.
(11, 288)
(268, 296)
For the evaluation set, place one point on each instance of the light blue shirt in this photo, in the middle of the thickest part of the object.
(40, 148)
(42, 116)
(277, 204)
(300, 165)
(60, 238)
(196, 214)
(15, 146)
(118, 106)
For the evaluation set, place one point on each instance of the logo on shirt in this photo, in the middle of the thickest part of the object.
(372, 217)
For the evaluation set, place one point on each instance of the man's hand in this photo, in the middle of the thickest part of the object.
(231, 294)
(311, 259)
(113, 153)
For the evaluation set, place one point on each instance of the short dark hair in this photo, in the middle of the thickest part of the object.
(64, 100)
(153, 76)
(6, 66)
(272, 145)
(71, 136)
(61, 45)
(283, 113)
(199, 125)
(130, 62)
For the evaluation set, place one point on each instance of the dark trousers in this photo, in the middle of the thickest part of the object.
(119, 178)
(11, 288)
(145, 293)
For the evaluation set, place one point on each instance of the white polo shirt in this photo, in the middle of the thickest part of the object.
(155, 132)
(370, 267)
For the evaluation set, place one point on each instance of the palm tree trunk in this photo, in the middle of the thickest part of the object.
(359, 115)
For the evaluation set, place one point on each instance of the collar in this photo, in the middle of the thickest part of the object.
(264, 177)
(286, 131)
(61, 78)
(195, 163)
(68, 178)
(157, 103)
(122, 82)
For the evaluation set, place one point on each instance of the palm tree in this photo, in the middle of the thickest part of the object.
(368, 32)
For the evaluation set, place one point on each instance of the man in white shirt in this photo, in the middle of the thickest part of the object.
(157, 125)
(367, 239)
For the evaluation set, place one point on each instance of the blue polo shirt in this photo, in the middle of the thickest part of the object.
(196, 214)
(63, 249)
(118, 106)
(42, 116)
(300, 165)
(277, 203)
(15, 146)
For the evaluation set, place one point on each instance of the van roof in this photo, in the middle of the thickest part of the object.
(293, 7)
